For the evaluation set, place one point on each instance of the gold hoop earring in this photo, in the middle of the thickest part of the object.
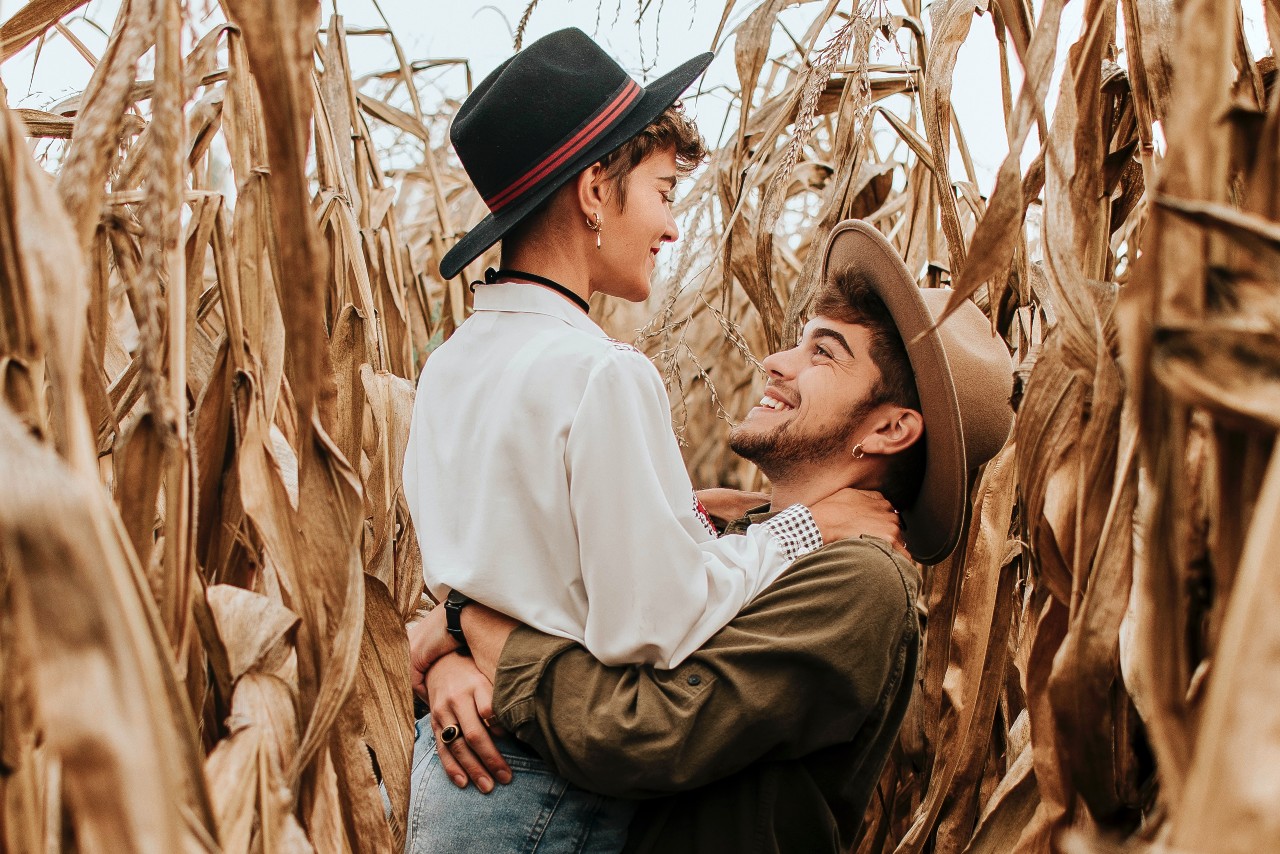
(857, 451)
(594, 225)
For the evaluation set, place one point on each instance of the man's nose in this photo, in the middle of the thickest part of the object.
(776, 364)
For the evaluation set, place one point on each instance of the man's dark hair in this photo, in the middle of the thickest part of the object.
(847, 296)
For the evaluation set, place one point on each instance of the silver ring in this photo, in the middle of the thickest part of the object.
(450, 734)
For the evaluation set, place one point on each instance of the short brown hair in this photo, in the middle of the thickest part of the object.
(847, 296)
(671, 129)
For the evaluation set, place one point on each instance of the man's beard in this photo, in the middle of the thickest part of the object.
(783, 450)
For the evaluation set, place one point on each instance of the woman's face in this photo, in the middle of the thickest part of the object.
(630, 237)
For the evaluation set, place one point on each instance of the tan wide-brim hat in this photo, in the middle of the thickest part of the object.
(964, 377)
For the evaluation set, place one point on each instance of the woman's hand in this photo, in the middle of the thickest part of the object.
(460, 696)
(855, 512)
(428, 642)
(728, 505)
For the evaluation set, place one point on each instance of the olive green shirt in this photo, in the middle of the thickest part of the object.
(771, 738)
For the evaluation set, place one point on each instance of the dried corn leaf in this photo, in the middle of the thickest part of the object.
(103, 689)
(31, 22)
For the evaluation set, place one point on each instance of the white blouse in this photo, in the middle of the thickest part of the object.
(544, 480)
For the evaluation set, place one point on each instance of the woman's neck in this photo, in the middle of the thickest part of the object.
(550, 262)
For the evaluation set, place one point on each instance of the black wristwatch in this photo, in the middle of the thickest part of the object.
(453, 606)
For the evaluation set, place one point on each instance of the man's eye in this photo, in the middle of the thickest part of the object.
(822, 351)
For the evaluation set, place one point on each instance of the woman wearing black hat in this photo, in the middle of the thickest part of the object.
(541, 472)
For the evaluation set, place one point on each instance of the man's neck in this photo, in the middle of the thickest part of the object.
(811, 484)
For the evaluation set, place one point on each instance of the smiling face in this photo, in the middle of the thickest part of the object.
(635, 223)
(819, 398)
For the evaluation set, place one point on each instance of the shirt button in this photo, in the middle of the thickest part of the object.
(695, 680)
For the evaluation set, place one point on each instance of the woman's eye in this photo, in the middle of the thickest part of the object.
(669, 197)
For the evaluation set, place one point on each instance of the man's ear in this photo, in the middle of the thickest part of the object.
(896, 430)
(591, 187)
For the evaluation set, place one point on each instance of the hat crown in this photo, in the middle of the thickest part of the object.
(963, 374)
(542, 117)
(535, 105)
(982, 374)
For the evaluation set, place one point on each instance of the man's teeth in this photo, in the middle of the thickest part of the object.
(773, 403)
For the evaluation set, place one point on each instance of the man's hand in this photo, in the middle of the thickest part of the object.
(728, 505)
(460, 696)
(428, 642)
(854, 512)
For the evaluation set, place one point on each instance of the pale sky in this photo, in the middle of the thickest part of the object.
(481, 31)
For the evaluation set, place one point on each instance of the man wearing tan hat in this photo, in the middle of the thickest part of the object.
(771, 737)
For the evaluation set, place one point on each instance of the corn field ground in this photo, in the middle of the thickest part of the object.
(215, 295)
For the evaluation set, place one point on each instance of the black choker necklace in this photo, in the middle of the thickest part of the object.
(491, 277)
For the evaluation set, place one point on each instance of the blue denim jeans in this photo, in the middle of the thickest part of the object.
(538, 811)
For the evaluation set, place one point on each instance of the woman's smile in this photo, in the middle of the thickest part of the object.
(638, 228)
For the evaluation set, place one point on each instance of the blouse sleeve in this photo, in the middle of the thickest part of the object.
(657, 584)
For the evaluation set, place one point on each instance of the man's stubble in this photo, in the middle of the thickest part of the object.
(785, 450)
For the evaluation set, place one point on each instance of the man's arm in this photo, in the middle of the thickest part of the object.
(487, 633)
(802, 667)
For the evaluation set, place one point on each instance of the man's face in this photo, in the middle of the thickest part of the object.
(816, 400)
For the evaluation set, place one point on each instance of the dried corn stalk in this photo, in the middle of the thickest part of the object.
(207, 382)
(223, 367)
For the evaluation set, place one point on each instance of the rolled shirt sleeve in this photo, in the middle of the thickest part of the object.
(658, 585)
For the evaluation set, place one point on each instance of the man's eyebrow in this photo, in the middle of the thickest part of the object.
(824, 332)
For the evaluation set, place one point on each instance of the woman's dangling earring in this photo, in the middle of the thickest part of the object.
(857, 451)
(594, 225)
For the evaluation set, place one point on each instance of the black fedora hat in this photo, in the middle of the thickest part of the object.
(542, 117)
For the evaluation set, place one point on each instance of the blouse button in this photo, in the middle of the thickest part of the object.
(695, 680)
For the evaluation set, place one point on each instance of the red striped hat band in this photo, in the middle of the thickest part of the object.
(567, 149)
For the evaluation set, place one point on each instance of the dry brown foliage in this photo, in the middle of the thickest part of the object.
(205, 558)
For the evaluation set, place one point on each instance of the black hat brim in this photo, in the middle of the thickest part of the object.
(659, 95)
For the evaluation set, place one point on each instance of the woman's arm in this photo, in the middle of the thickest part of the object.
(486, 631)
(656, 583)
(726, 506)
(459, 690)
(428, 642)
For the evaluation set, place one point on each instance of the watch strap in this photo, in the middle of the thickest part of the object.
(453, 606)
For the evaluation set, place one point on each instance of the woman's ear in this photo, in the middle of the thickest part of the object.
(591, 188)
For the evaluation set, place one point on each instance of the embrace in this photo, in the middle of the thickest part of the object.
(609, 671)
